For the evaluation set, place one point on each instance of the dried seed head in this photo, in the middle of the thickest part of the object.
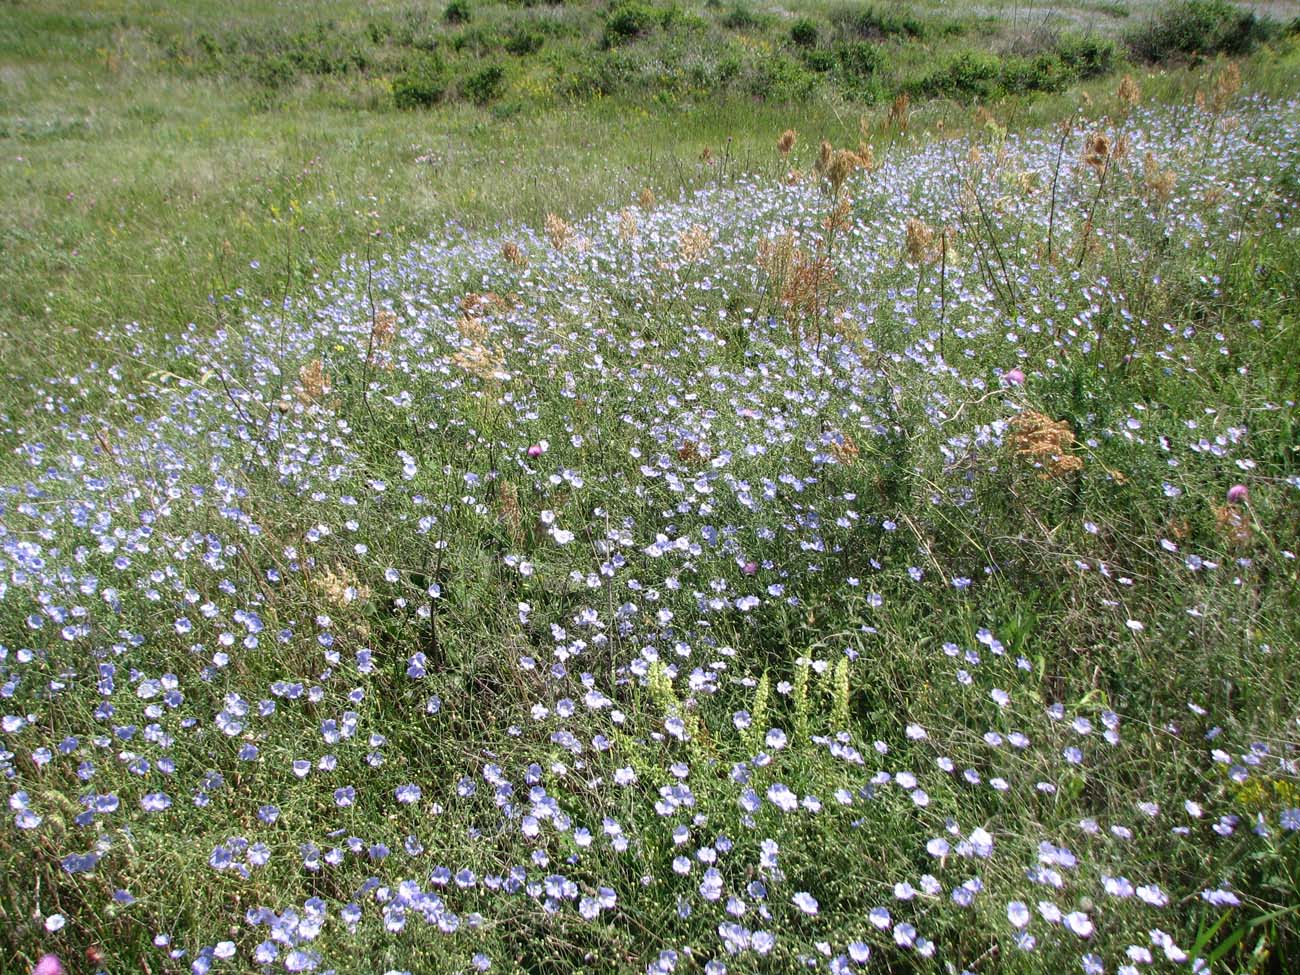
(823, 163)
(694, 242)
(1128, 93)
(919, 242)
(842, 164)
(513, 254)
(1046, 443)
(646, 199)
(866, 156)
(628, 228)
(898, 117)
(786, 142)
(558, 232)
(313, 382)
(1226, 84)
(1097, 150)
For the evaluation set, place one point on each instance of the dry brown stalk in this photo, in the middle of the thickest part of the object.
(1046, 443)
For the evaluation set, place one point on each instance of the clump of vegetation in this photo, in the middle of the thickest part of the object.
(458, 12)
(803, 32)
(1186, 28)
(485, 85)
(421, 84)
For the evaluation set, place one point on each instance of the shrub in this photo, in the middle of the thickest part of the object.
(484, 85)
(1043, 73)
(524, 42)
(631, 19)
(1185, 28)
(457, 12)
(273, 73)
(804, 32)
(859, 60)
(742, 17)
(879, 23)
(820, 61)
(968, 75)
(782, 79)
(422, 84)
(1087, 55)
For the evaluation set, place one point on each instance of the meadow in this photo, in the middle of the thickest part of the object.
(837, 529)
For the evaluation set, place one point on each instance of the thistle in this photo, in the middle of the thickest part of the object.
(786, 142)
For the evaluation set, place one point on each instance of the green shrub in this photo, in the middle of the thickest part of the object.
(1046, 72)
(477, 40)
(457, 12)
(524, 42)
(632, 19)
(484, 85)
(968, 75)
(1185, 28)
(859, 60)
(820, 61)
(742, 17)
(803, 32)
(423, 83)
(273, 73)
(1087, 55)
(782, 79)
(879, 23)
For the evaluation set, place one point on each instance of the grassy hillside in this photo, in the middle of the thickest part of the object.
(159, 154)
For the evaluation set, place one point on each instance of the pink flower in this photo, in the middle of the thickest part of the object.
(1237, 494)
(1013, 377)
(749, 568)
(535, 450)
(48, 965)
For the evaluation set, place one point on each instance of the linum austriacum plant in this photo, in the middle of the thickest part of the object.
(690, 588)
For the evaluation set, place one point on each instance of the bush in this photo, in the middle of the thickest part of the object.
(743, 17)
(631, 19)
(820, 61)
(524, 42)
(804, 32)
(422, 84)
(859, 60)
(968, 75)
(1088, 56)
(1185, 28)
(484, 85)
(457, 12)
(782, 79)
(1043, 73)
(878, 23)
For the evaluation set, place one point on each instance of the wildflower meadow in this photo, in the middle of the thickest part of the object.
(883, 560)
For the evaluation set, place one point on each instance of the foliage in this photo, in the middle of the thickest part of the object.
(1183, 28)
(422, 84)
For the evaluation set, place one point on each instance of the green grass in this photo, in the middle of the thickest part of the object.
(149, 164)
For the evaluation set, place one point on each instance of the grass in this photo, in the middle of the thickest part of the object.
(643, 581)
(144, 176)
